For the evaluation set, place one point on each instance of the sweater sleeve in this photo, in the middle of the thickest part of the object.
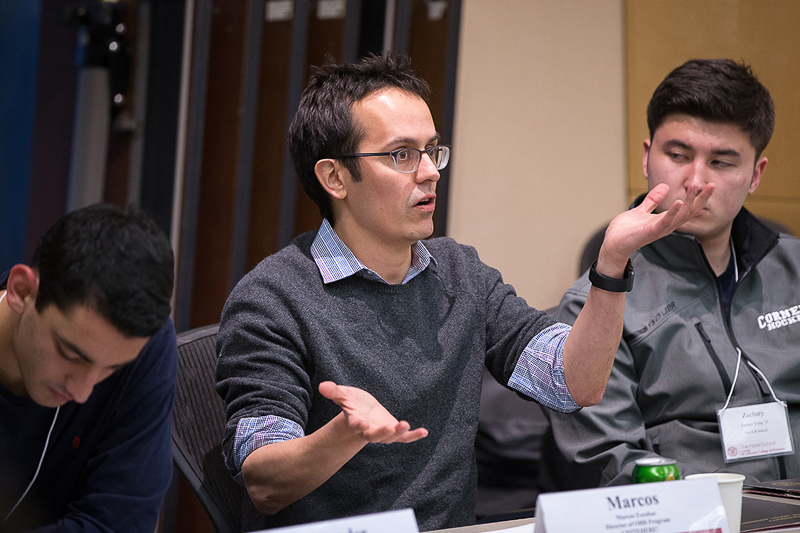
(524, 346)
(262, 369)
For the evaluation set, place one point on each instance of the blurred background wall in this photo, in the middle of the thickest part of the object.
(539, 157)
(181, 106)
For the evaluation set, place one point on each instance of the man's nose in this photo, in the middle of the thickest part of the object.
(697, 176)
(80, 383)
(427, 170)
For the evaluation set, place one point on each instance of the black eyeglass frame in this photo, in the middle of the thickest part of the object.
(445, 148)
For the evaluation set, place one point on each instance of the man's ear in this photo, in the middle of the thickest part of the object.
(645, 157)
(330, 175)
(22, 286)
(758, 171)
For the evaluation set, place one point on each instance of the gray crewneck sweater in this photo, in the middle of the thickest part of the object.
(418, 348)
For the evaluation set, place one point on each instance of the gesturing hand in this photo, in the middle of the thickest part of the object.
(368, 417)
(639, 226)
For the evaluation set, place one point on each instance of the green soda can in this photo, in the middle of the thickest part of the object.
(650, 469)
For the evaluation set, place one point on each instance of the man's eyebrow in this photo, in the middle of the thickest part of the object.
(677, 143)
(75, 349)
(408, 140)
(83, 355)
(727, 151)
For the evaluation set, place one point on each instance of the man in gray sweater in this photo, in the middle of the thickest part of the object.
(334, 348)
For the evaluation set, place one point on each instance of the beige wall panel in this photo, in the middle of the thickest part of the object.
(662, 34)
(786, 213)
(539, 145)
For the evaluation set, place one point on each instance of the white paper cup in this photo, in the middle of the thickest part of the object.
(730, 488)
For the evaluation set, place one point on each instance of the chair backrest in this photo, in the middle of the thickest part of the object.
(508, 449)
(198, 425)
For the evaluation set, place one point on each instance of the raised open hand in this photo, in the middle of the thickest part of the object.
(639, 226)
(368, 417)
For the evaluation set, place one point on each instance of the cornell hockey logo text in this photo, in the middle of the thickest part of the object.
(778, 319)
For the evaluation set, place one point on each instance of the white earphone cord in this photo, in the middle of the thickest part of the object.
(41, 459)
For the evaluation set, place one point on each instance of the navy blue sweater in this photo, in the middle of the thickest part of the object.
(109, 460)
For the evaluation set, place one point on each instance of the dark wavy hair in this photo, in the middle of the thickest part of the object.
(323, 124)
(716, 90)
(117, 262)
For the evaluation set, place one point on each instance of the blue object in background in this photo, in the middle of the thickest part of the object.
(19, 53)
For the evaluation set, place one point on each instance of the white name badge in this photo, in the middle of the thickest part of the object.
(402, 521)
(666, 507)
(751, 431)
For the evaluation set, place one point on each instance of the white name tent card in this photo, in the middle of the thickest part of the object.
(402, 521)
(689, 506)
(526, 528)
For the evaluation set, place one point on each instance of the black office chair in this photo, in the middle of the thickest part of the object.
(198, 424)
(508, 449)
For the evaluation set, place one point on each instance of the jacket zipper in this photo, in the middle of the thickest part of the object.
(781, 461)
(726, 381)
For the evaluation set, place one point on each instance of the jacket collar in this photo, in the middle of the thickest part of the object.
(752, 240)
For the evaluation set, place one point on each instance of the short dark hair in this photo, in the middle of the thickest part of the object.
(716, 90)
(323, 124)
(118, 262)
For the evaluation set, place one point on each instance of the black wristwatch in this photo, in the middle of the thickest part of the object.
(612, 284)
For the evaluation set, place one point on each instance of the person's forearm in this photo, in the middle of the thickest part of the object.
(590, 347)
(278, 474)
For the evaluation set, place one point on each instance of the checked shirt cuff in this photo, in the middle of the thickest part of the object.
(254, 432)
(539, 373)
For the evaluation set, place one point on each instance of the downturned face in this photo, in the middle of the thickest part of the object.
(63, 355)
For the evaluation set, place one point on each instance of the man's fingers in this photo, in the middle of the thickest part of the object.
(654, 197)
(702, 198)
(406, 436)
(359, 424)
(330, 390)
(696, 199)
(371, 427)
(401, 433)
(384, 434)
(682, 210)
(389, 434)
(412, 436)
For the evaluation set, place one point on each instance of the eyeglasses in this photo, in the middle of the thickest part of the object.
(406, 160)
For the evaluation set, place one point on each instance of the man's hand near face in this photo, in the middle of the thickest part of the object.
(592, 343)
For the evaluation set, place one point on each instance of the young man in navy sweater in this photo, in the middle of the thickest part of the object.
(87, 375)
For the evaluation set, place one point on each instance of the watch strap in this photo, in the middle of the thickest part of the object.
(612, 284)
